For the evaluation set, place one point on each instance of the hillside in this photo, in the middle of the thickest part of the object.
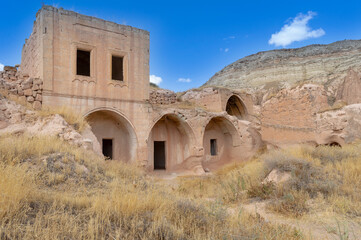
(322, 64)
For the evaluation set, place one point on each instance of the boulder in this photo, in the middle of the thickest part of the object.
(277, 177)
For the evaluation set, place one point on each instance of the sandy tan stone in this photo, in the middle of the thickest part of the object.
(28, 92)
(37, 105)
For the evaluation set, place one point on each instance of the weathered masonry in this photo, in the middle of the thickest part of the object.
(101, 69)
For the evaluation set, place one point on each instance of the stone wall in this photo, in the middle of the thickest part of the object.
(57, 36)
(162, 96)
(31, 53)
(289, 117)
(19, 84)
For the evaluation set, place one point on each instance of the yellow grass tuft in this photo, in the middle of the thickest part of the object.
(72, 117)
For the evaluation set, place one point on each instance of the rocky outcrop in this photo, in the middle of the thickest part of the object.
(304, 115)
(350, 89)
(28, 89)
(17, 119)
(339, 126)
(321, 64)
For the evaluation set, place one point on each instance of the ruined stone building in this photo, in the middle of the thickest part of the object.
(101, 69)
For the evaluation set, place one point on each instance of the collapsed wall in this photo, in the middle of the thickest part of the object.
(162, 96)
(28, 89)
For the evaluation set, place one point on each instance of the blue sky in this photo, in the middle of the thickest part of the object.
(192, 40)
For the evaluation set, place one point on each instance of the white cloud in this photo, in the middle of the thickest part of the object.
(1, 67)
(154, 79)
(297, 30)
(229, 38)
(186, 80)
(224, 49)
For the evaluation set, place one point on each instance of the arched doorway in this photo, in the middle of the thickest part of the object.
(235, 107)
(220, 143)
(170, 142)
(114, 133)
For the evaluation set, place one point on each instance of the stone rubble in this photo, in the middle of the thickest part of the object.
(27, 89)
(162, 96)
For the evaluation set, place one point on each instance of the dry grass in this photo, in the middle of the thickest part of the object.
(327, 176)
(52, 190)
(16, 99)
(73, 118)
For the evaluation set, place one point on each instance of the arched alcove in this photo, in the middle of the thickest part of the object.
(170, 143)
(114, 133)
(220, 143)
(235, 107)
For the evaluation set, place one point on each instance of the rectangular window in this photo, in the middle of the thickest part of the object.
(117, 68)
(213, 147)
(108, 148)
(83, 63)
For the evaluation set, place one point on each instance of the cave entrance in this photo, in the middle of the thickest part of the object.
(213, 147)
(108, 148)
(159, 155)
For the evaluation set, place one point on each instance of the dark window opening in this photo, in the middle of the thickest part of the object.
(159, 154)
(83, 63)
(108, 148)
(334, 144)
(213, 147)
(117, 68)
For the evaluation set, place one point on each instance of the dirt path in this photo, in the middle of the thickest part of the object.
(311, 229)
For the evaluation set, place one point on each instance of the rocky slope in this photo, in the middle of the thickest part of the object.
(322, 64)
(16, 119)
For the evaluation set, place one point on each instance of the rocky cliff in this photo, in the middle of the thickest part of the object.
(322, 64)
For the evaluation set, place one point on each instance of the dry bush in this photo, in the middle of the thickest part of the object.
(292, 204)
(329, 154)
(332, 172)
(238, 179)
(344, 164)
(263, 191)
(306, 176)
